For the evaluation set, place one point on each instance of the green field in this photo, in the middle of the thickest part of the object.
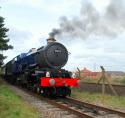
(12, 106)
(97, 98)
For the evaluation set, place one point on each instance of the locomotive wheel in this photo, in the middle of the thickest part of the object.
(34, 88)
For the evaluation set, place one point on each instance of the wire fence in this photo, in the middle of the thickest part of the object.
(114, 77)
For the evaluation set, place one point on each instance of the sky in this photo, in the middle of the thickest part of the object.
(101, 42)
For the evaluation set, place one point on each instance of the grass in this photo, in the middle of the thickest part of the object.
(119, 80)
(12, 106)
(97, 98)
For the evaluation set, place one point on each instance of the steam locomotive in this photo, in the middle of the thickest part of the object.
(40, 70)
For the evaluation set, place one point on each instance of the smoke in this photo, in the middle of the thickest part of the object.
(54, 32)
(90, 22)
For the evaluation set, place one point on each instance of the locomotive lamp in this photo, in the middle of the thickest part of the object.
(73, 75)
(47, 74)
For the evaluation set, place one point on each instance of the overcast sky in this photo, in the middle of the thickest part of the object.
(101, 43)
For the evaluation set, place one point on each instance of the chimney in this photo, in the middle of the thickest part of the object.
(51, 39)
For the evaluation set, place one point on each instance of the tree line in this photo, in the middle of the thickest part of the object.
(3, 40)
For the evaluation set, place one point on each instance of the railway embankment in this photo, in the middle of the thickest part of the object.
(13, 106)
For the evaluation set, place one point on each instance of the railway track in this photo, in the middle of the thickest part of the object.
(79, 108)
(96, 110)
(85, 110)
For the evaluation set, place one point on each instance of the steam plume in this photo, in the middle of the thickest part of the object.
(91, 22)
